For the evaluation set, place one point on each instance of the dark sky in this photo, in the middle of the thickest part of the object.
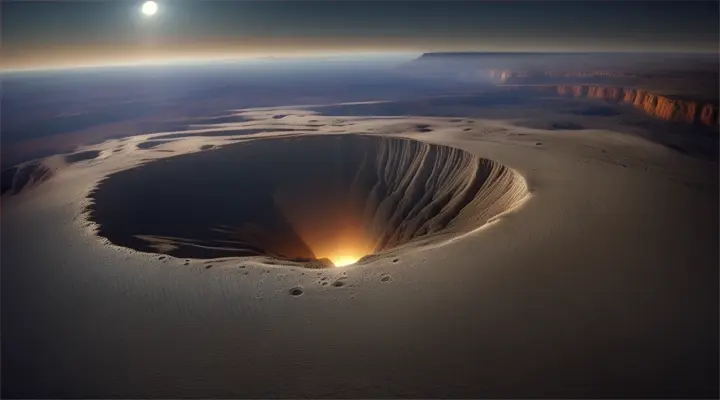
(65, 33)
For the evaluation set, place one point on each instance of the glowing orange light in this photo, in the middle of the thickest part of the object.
(331, 226)
(343, 260)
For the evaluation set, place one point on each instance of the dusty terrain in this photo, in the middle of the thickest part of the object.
(602, 282)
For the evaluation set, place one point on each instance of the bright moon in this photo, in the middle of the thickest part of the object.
(149, 8)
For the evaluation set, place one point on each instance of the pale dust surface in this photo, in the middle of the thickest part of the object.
(602, 283)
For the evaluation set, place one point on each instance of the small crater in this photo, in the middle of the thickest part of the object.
(423, 128)
(338, 283)
(566, 126)
(385, 278)
(82, 156)
(296, 291)
(208, 266)
(149, 144)
(395, 260)
(162, 257)
(538, 144)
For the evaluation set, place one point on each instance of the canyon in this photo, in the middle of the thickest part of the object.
(660, 106)
(663, 106)
(505, 75)
(672, 87)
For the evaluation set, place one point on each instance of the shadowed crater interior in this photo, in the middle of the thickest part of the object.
(302, 200)
(82, 156)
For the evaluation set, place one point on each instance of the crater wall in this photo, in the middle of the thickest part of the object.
(302, 199)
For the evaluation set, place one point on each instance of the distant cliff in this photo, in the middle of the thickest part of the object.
(505, 75)
(657, 105)
(661, 106)
(691, 83)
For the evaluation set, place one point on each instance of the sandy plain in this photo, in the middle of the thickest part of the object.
(603, 282)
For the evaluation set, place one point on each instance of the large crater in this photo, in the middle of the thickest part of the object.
(302, 199)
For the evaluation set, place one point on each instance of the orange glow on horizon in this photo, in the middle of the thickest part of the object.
(47, 55)
(41, 56)
(343, 260)
(341, 240)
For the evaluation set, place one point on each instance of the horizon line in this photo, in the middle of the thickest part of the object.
(281, 57)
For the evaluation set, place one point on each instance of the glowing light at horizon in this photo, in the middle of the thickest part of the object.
(344, 260)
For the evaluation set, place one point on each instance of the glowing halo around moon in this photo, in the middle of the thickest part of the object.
(149, 8)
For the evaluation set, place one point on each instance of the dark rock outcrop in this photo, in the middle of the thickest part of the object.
(22, 177)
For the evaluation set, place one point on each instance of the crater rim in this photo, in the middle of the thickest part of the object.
(501, 184)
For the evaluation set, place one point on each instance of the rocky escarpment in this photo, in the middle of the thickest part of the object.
(503, 76)
(672, 87)
(303, 199)
(671, 108)
(660, 106)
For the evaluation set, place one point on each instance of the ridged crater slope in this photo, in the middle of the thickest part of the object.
(339, 197)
